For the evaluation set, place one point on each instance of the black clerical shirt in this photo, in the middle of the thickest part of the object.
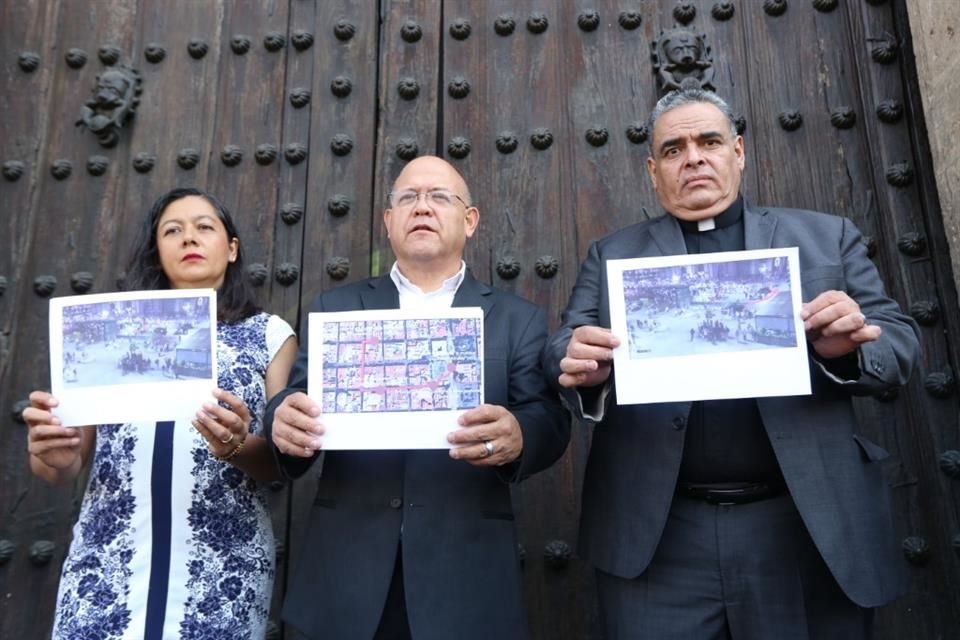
(725, 440)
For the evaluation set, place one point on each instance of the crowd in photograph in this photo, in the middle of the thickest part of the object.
(133, 339)
(746, 302)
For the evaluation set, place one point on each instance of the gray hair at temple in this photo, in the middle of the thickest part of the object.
(685, 96)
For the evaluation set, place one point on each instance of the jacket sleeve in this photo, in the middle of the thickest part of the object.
(292, 467)
(544, 423)
(889, 360)
(583, 309)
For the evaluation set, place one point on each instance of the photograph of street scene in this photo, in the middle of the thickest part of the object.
(136, 341)
(706, 308)
(402, 365)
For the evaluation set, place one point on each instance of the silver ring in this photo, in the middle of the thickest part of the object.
(228, 440)
(488, 446)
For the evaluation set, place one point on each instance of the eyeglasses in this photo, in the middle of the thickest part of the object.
(407, 198)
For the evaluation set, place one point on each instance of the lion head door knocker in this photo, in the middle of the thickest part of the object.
(113, 104)
(681, 57)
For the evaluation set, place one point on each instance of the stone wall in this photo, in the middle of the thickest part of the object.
(935, 28)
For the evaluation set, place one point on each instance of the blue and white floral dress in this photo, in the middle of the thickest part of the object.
(170, 541)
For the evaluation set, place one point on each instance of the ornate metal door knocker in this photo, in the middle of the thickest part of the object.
(681, 55)
(113, 105)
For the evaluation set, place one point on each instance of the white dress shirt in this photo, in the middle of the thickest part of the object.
(412, 297)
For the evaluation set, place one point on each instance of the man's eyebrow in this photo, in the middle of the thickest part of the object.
(706, 135)
(438, 188)
(710, 134)
(669, 142)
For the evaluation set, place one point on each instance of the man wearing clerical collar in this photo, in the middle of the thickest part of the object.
(748, 517)
(696, 161)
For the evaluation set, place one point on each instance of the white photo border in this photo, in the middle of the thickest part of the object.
(385, 429)
(129, 402)
(738, 374)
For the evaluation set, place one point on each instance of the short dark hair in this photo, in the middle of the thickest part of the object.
(235, 298)
(690, 95)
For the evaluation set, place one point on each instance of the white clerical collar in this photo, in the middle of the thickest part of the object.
(730, 216)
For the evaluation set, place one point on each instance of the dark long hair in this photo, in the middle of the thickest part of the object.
(235, 299)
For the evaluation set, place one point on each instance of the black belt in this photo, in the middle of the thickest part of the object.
(730, 492)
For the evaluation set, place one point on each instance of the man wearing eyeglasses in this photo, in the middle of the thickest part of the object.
(421, 544)
(746, 517)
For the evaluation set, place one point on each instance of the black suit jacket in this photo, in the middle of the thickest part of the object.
(832, 472)
(460, 564)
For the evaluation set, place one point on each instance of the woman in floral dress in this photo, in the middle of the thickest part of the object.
(174, 537)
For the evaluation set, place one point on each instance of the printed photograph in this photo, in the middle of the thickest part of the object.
(402, 365)
(697, 309)
(136, 341)
(682, 319)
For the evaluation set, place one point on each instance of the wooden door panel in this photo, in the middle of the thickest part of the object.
(410, 37)
(250, 103)
(25, 33)
(288, 214)
(342, 147)
(63, 222)
(611, 87)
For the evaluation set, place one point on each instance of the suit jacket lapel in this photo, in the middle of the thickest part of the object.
(381, 294)
(667, 235)
(758, 227)
(473, 293)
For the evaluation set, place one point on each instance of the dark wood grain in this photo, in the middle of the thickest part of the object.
(63, 234)
(400, 120)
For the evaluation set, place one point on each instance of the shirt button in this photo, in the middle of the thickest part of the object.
(679, 422)
(396, 503)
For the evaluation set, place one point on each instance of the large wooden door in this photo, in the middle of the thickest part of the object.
(299, 114)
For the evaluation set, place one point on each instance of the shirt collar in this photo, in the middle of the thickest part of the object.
(450, 284)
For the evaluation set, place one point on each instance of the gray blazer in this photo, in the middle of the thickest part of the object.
(832, 472)
(461, 571)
